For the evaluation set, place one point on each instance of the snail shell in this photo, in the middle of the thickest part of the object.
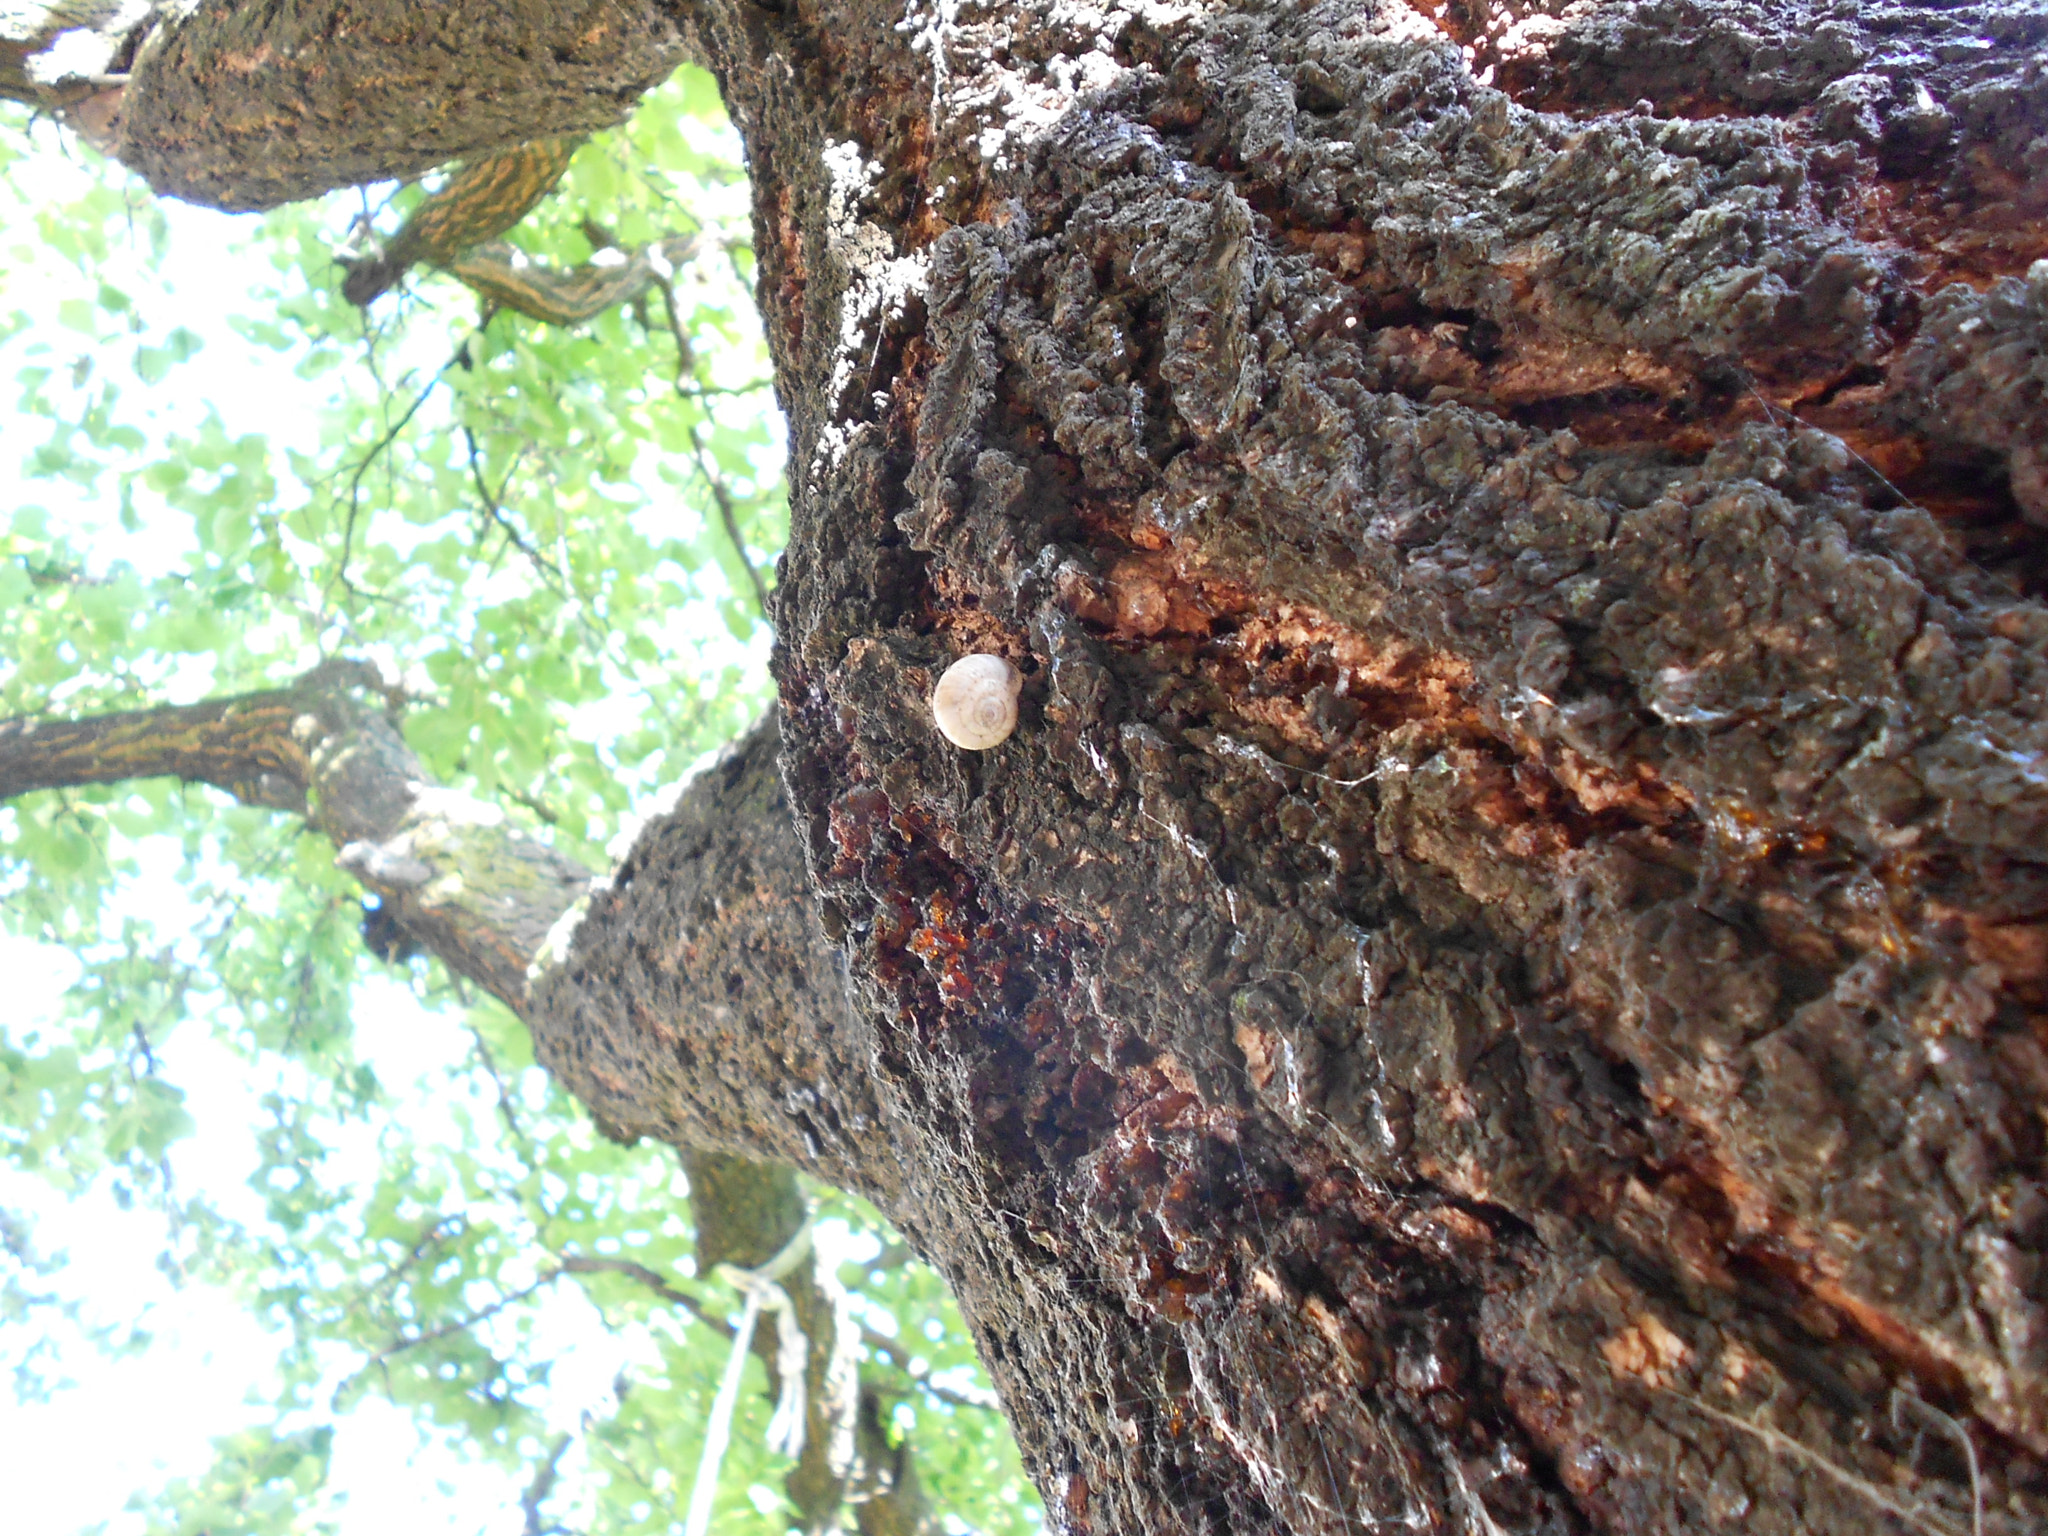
(975, 703)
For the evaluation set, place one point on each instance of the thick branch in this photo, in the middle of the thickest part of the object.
(450, 871)
(502, 275)
(480, 895)
(243, 745)
(1515, 907)
(697, 1004)
(485, 197)
(248, 106)
(91, 44)
(700, 949)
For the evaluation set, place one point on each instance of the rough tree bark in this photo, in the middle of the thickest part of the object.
(1502, 984)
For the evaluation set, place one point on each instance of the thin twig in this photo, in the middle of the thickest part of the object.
(727, 514)
(535, 804)
(462, 1324)
(494, 506)
(364, 465)
(1771, 414)
(542, 1485)
(431, 1236)
(728, 517)
(1904, 1400)
(578, 1264)
(584, 1264)
(148, 1055)
(982, 1402)
(505, 1109)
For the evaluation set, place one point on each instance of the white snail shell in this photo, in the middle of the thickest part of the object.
(975, 703)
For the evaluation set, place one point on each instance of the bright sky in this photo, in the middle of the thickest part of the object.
(132, 1424)
(135, 1423)
(72, 1462)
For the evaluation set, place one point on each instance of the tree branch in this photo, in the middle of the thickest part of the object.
(451, 871)
(542, 1485)
(390, 436)
(586, 1264)
(244, 745)
(199, 118)
(728, 515)
(459, 880)
(462, 1324)
(485, 197)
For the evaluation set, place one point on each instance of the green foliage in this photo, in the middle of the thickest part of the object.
(262, 1482)
(217, 473)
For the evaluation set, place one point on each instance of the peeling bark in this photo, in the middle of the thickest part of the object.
(1503, 981)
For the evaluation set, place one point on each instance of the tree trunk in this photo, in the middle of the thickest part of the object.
(1501, 983)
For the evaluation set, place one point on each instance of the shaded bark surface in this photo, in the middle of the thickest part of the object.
(697, 1004)
(1502, 983)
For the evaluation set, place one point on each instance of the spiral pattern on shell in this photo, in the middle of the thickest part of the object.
(975, 703)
